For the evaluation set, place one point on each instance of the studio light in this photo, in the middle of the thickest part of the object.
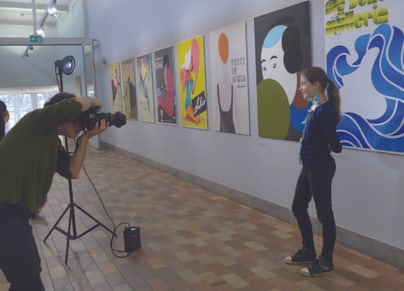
(64, 66)
(69, 63)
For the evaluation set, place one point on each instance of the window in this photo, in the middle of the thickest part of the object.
(19, 104)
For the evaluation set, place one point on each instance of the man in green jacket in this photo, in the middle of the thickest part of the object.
(30, 154)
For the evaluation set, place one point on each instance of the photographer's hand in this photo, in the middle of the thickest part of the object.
(88, 102)
(99, 127)
(78, 157)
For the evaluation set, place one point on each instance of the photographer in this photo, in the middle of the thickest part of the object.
(30, 154)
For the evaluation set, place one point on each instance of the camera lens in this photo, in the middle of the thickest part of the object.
(117, 119)
(90, 118)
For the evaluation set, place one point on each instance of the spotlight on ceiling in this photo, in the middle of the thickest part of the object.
(52, 8)
(40, 31)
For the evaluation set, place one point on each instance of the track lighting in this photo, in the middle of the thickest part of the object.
(52, 9)
(40, 31)
(26, 53)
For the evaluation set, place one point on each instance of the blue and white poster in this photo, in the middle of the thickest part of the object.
(365, 58)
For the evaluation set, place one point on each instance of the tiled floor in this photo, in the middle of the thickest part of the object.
(192, 239)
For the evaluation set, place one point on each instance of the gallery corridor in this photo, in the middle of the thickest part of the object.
(192, 239)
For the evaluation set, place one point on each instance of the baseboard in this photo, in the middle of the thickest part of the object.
(366, 245)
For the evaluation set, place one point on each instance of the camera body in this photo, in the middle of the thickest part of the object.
(89, 119)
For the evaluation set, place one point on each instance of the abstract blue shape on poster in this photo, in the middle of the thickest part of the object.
(386, 132)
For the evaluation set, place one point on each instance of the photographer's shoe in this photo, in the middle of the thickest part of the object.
(317, 268)
(303, 256)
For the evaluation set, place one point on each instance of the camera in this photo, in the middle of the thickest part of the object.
(89, 119)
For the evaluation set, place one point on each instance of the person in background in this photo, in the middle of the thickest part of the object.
(30, 154)
(5, 117)
(318, 169)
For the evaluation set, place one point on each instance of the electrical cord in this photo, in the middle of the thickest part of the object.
(116, 252)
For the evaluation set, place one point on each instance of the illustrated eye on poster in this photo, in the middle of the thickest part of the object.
(365, 61)
(192, 89)
(282, 50)
(228, 75)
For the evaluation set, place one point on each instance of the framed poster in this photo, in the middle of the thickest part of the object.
(144, 88)
(192, 89)
(282, 50)
(164, 85)
(129, 88)
(364, 56)
(228, 76)
(116, 88)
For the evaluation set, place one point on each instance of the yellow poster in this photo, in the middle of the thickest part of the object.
(192, 89)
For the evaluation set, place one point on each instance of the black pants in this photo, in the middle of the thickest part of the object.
(19, 258)
(316, 184)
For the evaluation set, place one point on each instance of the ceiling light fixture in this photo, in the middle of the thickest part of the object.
(52, 9)
(40, 31)
(26, 53)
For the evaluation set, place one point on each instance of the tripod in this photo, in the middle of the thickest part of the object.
(71, 233)
(67, 66)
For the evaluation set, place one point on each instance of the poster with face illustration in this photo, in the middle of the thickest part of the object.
(364, 57)
(192, 90)
(282, 50)
(116, 87)
(229, 82)
(144, 88)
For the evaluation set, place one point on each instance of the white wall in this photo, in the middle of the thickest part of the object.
(38, 69)
(368, 187)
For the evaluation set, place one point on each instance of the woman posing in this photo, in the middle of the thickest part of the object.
(318, 169)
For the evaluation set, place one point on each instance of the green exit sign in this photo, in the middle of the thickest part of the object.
(35, 38)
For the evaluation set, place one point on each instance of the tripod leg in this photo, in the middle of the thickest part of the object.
(57, 222)
(68, 236)
(93, 218)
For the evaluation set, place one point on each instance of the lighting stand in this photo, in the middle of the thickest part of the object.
(71, 233)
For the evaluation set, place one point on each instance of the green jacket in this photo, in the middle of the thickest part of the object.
(32, 152)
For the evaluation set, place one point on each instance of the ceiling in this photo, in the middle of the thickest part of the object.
(20, 13)
(19, 55)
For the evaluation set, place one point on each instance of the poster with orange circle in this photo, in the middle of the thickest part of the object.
(229, 80)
